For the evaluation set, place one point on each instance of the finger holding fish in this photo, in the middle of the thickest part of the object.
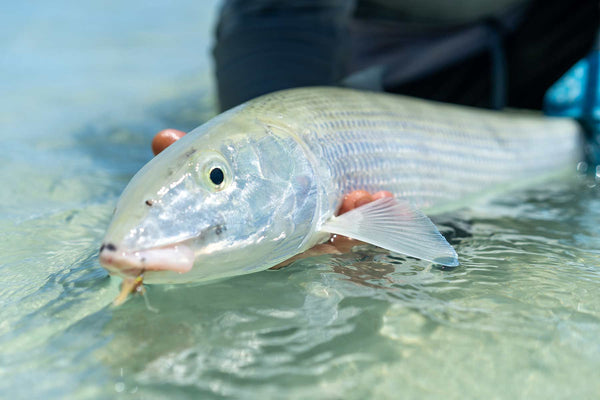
(164, 139)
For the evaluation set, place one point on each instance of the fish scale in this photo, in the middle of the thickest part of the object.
(428, 153)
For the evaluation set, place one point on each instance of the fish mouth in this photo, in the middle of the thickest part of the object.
(130, 263)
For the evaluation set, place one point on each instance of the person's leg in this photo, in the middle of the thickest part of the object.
(455, 63)
(551, 37)
(267, 45)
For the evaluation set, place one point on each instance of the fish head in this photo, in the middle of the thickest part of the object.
(234, 196)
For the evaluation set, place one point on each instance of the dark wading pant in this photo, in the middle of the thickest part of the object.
(506, 60)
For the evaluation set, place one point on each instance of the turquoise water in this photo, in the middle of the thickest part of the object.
(85, 90)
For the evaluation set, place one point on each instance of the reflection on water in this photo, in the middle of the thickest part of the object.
(519, 318)
(521, 312)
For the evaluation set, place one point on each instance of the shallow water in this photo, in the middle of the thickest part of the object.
(520, 318)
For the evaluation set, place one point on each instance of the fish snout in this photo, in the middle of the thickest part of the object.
(177, 258)
(106, 254)
(112, 261)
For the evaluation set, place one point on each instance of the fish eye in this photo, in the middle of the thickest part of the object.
(212, 171)
(216, 176)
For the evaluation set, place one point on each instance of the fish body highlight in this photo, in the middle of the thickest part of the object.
(261, 182)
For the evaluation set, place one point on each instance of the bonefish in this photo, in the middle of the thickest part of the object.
(261, 182)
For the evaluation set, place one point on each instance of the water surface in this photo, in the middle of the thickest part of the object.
(88, 86)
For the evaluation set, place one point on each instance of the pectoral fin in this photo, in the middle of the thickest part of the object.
(397, 226)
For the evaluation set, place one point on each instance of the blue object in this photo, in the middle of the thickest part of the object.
(577, 95)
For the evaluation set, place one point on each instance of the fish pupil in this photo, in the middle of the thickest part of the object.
(216, 176)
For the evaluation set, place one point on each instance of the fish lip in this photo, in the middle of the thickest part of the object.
(177, 257)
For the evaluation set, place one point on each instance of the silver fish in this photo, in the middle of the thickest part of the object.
(261, 183)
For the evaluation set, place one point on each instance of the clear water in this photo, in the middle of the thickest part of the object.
(84, 89)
